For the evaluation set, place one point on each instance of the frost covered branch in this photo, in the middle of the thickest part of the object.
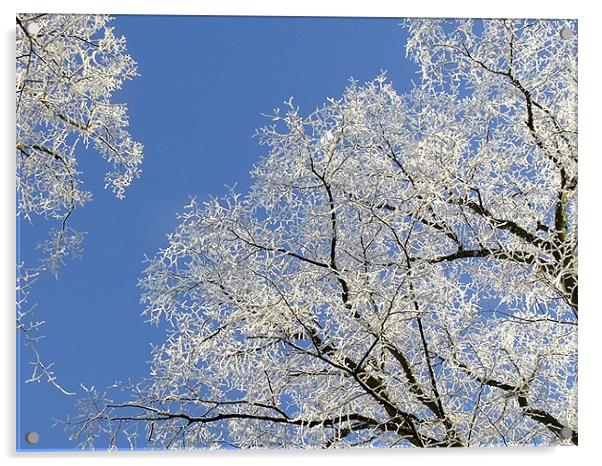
(67, 69)
(403, 271)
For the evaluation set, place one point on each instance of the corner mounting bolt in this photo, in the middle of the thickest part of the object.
(32, 438)
(566, 33)
(33, 28)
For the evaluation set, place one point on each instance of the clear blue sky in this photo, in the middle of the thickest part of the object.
(204, 83)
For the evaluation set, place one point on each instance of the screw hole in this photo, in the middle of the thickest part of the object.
(566, 433)
(32, 438)
(566, 33)
(33, 28)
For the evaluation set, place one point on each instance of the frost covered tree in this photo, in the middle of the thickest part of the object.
(67, 70)
(403, 271)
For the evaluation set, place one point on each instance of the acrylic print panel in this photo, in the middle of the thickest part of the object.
(270, 232)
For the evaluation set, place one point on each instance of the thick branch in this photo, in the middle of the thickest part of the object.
(538, 415)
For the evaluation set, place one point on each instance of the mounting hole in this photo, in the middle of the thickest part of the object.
(32, 438)
(566, 33)
(566, 433)
(33, 28)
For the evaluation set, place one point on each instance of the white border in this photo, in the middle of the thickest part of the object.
(589, 213)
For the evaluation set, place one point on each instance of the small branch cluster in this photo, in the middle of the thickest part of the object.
(67, 70)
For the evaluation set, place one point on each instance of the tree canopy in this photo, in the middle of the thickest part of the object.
(403, 271)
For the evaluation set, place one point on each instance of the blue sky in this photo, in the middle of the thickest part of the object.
(204, 83)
